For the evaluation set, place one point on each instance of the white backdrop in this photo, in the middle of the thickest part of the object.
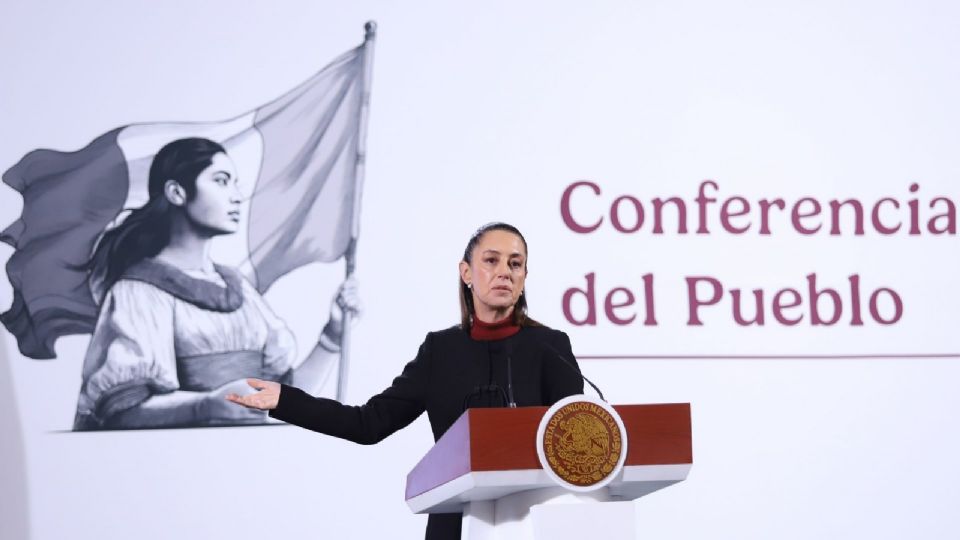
(489, 114)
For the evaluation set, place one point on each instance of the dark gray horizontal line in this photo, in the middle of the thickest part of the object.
(866, 356)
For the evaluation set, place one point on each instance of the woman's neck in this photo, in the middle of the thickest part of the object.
(187, 250)
(492, 316)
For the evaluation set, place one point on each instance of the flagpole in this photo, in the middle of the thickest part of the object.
(370, 34)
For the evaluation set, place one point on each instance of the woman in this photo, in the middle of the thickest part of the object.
(176, 332)
(497, 355)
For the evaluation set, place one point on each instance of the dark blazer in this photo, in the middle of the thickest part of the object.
(450, 372)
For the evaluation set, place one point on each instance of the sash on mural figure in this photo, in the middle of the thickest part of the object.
(304, 206)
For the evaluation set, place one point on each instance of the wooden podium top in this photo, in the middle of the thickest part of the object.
(488, 453)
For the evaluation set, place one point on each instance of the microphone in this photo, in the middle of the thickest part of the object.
(573, 366)
(480, 391)
(512, 402)
(493, 388)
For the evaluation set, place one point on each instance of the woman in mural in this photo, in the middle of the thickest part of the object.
(496, 357)
(177, 332)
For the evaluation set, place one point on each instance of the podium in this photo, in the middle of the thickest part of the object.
(487, 466)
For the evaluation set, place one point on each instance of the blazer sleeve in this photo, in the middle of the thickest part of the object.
(561, 377)
(382, 415)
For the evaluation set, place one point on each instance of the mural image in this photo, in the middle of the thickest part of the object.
(115, 240)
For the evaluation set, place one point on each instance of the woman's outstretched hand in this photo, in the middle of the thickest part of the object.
(265, 398)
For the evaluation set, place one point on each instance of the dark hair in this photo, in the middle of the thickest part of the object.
(146, 231)
(466, 296)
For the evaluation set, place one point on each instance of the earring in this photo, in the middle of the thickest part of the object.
(469, 285)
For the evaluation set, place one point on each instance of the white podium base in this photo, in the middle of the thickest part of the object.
(550, 513)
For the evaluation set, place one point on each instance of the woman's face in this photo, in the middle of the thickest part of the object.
(497, 271)
(216, 206)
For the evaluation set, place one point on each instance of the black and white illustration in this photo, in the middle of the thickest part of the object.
(116, 240)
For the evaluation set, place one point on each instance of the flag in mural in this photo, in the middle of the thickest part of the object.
(302, 149)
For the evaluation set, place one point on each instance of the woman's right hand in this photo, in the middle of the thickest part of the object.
(256, 394)
(216, 406)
